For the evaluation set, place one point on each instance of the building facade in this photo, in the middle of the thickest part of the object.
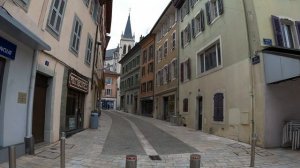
(130, 81)
(166, 76)
(147, 75)
(221, 90)
(63, 84)
(109, 95)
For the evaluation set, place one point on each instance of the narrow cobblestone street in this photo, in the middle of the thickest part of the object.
(121, 133)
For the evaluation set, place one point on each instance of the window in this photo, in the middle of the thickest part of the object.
(174, 70)
(108, 80)
(185, 105)
(214, 8)
(149, 86)
(131, 99)
(209, 59)
(89, 47)
(144, 56)
(95, 10)
(165, 49)
(86, 2)
(23, 3)
(76, 34)
(161, 80)
(198, 24)
(143, 71)
(159, 54)
(186, 36)
(129, 48)
(151, 53)
(165, 75)
(136, 79)
(185, 70)
(219, 107)
(124, 49)
(108, 92)
(56, 16)
(127, 99)
(173, 40)
(150, 67)
(285, 32)
(138, 60)
(192, 3)
(144, 85)
(185, 9)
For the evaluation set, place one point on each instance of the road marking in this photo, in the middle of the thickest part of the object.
(145, 143)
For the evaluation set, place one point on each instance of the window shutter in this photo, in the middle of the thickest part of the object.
(277, 31)
(202, 20)
(92, 6)
(221, 7)
(189, 32)
(192, 3)
(188, 6)
(182, 39)
(169, 72)
(298, 29)
(207, 6)
(182, 72)
(193, 28)
(188, 64)
(181, 14)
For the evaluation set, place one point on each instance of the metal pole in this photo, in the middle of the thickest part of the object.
(12, 156)
(195, 160)
(62, 150)
(131, 161)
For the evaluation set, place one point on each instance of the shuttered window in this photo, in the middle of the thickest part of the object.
(286, 32)
(75, 36)
(185, 70)
(56, 16)
(219, 107)
(89, 47)
(186, 36)
(185, 9)
(198, 24)
(214, 8)
(165, 49)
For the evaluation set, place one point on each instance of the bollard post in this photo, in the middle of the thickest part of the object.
(131, 161)
(12, 156)
(195, 160)
(62, 150)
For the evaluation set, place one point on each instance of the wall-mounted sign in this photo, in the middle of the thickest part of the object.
(22, 98)
(78, 83)
(7, 49)
(255, 59)
(267, 42)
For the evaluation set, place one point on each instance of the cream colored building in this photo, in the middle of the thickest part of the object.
(217, 77)
(66, 81)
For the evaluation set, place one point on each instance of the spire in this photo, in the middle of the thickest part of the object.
(128, 32)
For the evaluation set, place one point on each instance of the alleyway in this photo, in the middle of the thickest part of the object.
(121, 133)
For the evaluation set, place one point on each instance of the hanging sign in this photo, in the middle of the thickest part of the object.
(78, 83)
(7, 49)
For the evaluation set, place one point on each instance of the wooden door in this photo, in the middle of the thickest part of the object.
(200, 104)
(39, 104)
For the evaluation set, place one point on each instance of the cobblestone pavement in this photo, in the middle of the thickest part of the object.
(84, 150)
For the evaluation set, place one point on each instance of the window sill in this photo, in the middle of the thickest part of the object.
(218, 122)
(186, 44)
(215, 19)
(209, 71)
(87, 64)
(73, 52)
(198, 34)
(52, 33)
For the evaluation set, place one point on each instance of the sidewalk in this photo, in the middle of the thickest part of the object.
(83, 150)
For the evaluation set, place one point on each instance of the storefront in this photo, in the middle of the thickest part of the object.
(77, 89)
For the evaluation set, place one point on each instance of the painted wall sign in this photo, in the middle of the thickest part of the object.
(7, 49)
(267, 42)
(78, 83)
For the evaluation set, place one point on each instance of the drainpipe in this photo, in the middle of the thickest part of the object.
(93, 65)
(253, 134)
(29, 140)
(177, 116)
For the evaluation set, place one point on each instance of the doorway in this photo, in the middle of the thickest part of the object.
(166, 109)
(75, 110)
(39, 104)
(200, 108)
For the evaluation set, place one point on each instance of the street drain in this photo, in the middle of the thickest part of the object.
(154, 157)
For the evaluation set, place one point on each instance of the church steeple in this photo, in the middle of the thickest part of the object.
(128, 32)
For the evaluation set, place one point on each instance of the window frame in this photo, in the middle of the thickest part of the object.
(89, 50)
(78, 35)
(51, 29)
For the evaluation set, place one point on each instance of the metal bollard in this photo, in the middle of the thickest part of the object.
(12, 156)
(131, 161)
(195, 161)
(62, 150)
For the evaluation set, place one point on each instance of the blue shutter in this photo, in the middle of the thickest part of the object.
(277, 31)
(221, 7)
(207, 6)
(298, 29)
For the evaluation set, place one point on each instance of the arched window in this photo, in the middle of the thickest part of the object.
(129, 48)
(219, 107)
(124, 49)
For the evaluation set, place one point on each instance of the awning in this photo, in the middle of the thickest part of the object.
(17, 30)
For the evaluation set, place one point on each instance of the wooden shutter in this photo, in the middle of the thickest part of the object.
(207, 6)
(298, 29)
(221, 7)
(193, 28)
(277, 31)
(182, 72)
(182, 44)
(202, 20)
(188, 64)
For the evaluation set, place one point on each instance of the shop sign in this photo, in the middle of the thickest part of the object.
(78, 83)
(7, 49)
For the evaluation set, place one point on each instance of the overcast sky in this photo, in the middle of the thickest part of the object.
(143, 15)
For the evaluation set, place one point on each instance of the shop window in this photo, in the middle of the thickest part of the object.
(219, 107)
